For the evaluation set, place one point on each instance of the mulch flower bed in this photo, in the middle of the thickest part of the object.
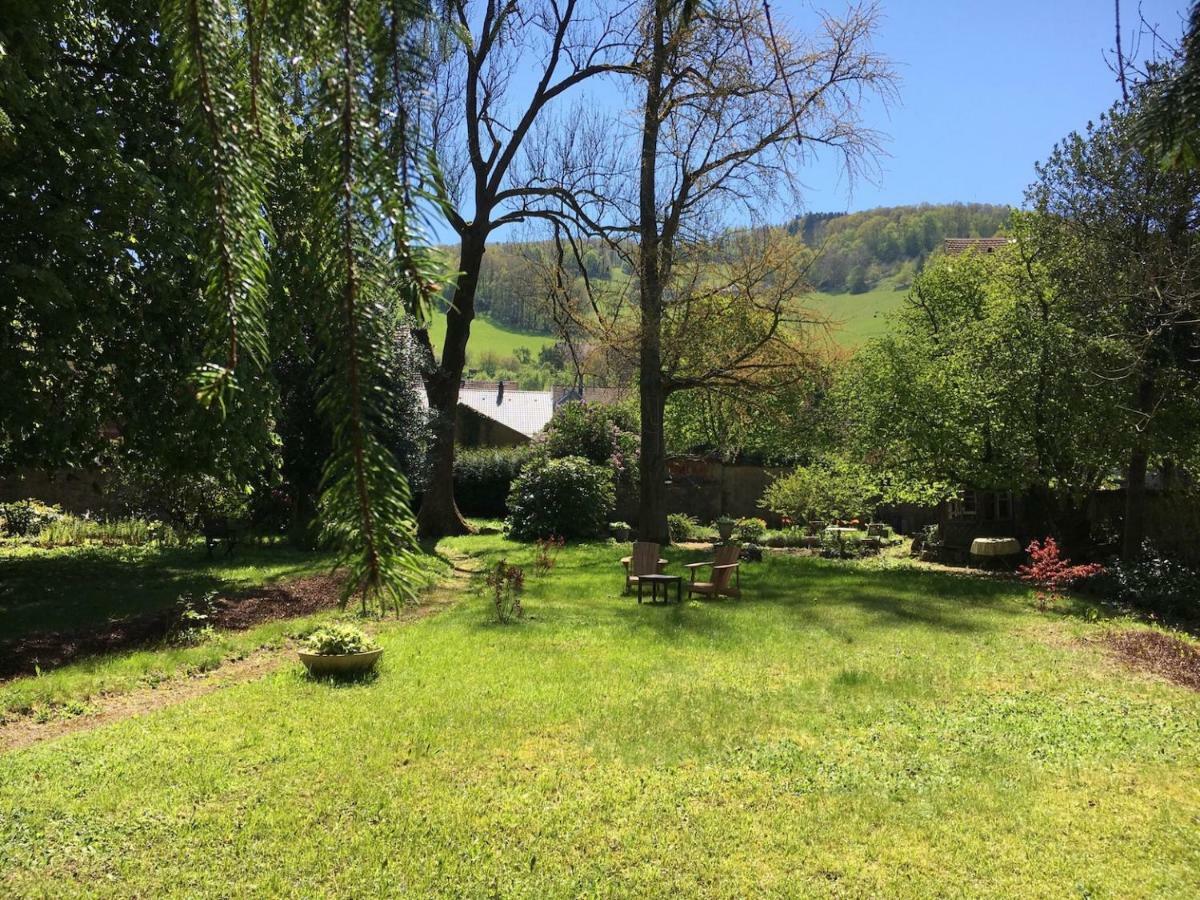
(233, 612)
(1159, 653)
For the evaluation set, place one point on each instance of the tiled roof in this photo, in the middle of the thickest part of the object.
(955, 246)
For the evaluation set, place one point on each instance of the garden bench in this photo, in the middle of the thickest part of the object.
(218, 531)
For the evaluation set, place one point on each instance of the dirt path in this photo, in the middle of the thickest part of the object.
(106, 708)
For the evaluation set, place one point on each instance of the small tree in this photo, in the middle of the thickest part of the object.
(834, 489)
(1051, 573)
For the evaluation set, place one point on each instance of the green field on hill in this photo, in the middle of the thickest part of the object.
(855, 318)
(487, 337)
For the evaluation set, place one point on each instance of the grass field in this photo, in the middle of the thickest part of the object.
(857, 317)
(487, 337)
(840, 731)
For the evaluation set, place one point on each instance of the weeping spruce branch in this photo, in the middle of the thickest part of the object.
(234, 177)
(371, 262)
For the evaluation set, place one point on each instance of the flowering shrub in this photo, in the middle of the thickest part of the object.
(506, 583)
(605, 435)
(1050, 573)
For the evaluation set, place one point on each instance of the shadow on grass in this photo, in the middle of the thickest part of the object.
(338, 680)
(814, 593)
(87, 603)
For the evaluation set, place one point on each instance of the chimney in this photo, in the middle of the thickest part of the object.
(499, 392)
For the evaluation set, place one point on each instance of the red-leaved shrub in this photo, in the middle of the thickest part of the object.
(1050, 573)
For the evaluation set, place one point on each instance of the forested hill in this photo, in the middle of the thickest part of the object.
(886, 247)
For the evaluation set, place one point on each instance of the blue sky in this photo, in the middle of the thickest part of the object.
(986, 90)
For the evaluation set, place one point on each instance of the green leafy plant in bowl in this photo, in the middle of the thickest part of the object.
(725, 526)
(339, 650)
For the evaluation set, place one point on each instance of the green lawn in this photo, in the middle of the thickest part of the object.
(487, 337)
(841, 731)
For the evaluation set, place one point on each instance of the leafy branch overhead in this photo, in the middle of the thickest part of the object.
(351, 66)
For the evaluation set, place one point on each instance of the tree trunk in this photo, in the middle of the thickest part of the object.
(652, 467)
(1134, 533)
(439, 515)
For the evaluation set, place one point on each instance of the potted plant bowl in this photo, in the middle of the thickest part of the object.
(339, 650)
(619, 531)
(725, 526)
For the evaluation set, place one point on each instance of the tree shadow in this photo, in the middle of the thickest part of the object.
(61, 608)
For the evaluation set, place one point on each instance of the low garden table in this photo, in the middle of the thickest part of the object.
(666, 581)
(1000, 550)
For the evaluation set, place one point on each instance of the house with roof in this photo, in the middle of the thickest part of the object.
(493, 414)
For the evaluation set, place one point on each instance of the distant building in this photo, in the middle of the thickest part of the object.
(492, 414)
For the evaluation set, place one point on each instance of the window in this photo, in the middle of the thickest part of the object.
(965, 507)
(1004, 505)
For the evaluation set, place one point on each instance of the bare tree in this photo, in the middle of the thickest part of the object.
(480, 124)
(730, 107)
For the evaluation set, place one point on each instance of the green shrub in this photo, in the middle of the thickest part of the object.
(483, 479)
(332, 640)
(750, 531)
(787, 537)
(1154, 583)
(568, 498)
(831, 489)
(76, 531)
(185, 501)
(25, 518)
(683, 527)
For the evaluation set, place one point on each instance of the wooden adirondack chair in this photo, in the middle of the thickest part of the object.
(644, 561)
(724, 569)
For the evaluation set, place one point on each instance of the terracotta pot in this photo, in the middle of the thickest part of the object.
(340, 663)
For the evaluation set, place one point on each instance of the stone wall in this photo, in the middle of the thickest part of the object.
(708, 489)
(75, 490)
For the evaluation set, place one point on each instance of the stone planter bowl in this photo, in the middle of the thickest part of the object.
(340, 663)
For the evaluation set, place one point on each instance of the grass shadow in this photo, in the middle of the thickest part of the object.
(342, 679)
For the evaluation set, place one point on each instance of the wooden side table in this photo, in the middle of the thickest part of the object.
(666, 581)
